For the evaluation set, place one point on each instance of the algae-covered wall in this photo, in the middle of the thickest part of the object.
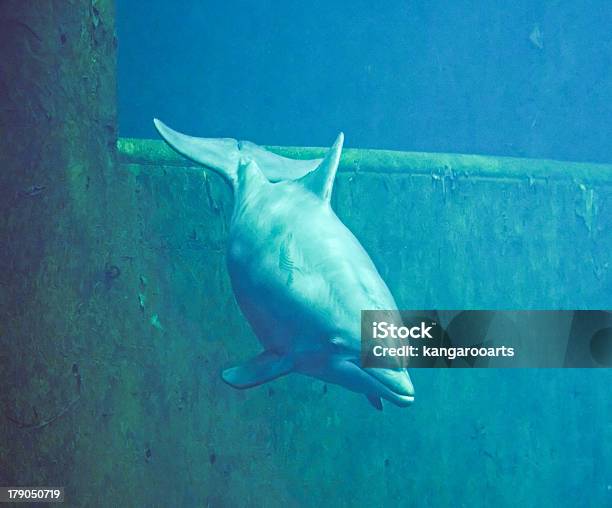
(66, 232)
(464, 231)
(116, 314)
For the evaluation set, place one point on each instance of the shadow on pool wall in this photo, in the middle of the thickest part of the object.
(117, 314)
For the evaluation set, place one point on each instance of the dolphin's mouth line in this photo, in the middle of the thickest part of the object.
(385, 387)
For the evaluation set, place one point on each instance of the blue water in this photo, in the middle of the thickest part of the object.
(525, 79)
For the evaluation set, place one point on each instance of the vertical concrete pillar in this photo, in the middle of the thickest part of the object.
(60, 207)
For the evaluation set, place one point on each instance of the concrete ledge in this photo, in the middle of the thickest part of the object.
(156, 152)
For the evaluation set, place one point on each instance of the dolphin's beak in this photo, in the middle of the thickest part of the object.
(396, 380)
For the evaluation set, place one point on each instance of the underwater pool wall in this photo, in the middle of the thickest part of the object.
(451, 230)
(116, 314)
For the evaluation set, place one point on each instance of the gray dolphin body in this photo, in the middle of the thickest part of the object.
(299, 275)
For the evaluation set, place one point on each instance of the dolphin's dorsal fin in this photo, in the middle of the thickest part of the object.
(321, 180)
(223, 155)
(262, 368)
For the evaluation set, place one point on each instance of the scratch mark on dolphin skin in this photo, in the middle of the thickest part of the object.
(286, 259)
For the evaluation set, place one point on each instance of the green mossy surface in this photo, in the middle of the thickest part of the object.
(116, 313)
(437, 165)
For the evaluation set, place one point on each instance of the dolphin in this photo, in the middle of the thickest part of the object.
(300, 277)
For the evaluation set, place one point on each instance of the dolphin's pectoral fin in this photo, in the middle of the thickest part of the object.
(258, 370)
(375, 401)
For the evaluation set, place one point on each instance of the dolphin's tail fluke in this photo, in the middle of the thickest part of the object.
(218, 154)
(223, 155)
